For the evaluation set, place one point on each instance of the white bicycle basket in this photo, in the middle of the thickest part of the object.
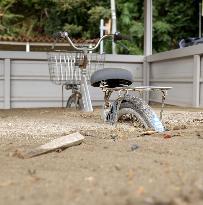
(66, 67)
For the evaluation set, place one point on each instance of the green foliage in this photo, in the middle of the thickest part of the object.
(130, 22)
(95, 14)
(72, 29)
(98, 12)
(172, 20)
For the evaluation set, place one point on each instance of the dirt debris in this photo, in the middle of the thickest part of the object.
(159, 172)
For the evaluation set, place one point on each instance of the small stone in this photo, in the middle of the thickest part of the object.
(31, 172)
(199, 135)
(149, 132)
(167, 136)
(177, 127)
(177, 134)
(59, 150)
(113, 137)
(89, 179)
(117, 167)
(183, 127)
(134, 147)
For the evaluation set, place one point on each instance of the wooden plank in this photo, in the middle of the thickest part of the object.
(56, 144)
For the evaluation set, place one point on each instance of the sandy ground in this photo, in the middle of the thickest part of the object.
(114, 165)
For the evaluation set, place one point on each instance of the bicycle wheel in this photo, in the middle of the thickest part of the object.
(75, 100)
(136, 110)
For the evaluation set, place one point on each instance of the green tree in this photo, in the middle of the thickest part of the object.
(24, 17)
(130, 22)
(172, 20)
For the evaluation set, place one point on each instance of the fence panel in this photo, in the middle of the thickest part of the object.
(30, 85)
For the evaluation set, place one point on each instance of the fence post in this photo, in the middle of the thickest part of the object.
(196, 81)
(146, 78)
(27, 47)
(7, 84)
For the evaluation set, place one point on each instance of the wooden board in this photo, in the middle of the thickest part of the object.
(59, 143)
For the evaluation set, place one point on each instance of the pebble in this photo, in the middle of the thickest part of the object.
(89, 179)
(134, 147)
(167, 136)
(149, 132)
(199, 135)
(117, 167)
(113, 137)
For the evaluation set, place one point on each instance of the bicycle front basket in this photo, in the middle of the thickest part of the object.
(64, 67)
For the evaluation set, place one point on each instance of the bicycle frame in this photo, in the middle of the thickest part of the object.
(83, 65)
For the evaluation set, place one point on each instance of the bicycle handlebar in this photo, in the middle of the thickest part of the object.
(116, 37)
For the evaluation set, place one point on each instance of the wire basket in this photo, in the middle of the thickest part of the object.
(66, 67)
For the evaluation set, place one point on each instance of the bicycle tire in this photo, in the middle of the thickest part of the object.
(140, 111)
(72, 101)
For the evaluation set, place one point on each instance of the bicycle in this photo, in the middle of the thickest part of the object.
(126, 106)
(72, 70)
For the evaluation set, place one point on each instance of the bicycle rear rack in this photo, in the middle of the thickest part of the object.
(140, 89)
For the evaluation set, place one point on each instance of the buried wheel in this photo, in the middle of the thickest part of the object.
(75, 100)
(139, 113)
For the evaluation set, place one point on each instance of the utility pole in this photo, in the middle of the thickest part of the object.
(147, 43)
(101, 34)
(148, 27)
(114, 29)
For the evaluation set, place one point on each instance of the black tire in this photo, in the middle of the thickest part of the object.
(75, 101)
(135, 109)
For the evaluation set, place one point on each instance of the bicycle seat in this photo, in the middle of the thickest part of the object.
(114, 77)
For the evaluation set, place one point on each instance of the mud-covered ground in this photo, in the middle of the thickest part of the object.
(115, 165)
